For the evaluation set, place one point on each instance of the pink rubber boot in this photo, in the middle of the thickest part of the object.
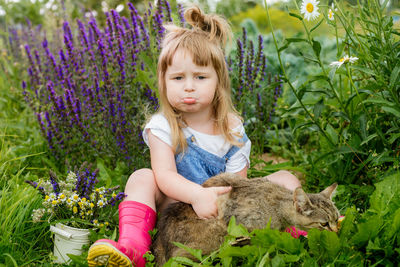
(135, 221)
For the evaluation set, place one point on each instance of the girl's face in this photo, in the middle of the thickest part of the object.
(190, 88)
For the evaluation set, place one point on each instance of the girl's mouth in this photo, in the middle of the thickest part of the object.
(189, 100)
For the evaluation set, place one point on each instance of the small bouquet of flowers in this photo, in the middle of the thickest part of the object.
(76, 200)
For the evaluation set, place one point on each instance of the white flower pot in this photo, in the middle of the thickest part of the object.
(68, 240)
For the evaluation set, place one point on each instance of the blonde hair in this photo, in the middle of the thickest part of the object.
(205, 41)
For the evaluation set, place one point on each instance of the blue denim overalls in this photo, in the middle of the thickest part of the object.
(197, 164)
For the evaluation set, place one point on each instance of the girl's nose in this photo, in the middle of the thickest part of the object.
(189, 86)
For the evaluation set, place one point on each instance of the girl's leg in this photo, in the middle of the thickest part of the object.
(137, 215)
(285, 179)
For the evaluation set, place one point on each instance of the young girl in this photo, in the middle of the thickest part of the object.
(196, 134)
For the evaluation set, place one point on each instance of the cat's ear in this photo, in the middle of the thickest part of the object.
(328, 192)
(302, 202)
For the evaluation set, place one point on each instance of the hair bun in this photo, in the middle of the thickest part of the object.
(216, 26)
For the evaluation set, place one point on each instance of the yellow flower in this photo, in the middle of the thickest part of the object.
(54, 202)
(46, 197)
(96, 221)
(84, 199)
(62, 196)
(75, 209)
(91, 205)
(309, 8)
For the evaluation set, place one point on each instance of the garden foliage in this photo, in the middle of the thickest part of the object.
(350, 114)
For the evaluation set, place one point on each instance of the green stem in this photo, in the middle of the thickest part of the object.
(290, 84)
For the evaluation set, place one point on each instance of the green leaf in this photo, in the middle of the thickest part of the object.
(104, 172)
(332, 134)
(245, 251)
(316, 47)
(362, 69)
(386, 197)
(369, 138)
(236, 230)
(295, 15)
(314, 241)
(316, 26)
(394, 111)
(330, 242)
(197, 253)
(395, 226)
(378, 100)
(348, 225)
(181, 260)
(367, 230)
(283, 47)
(296, 40)
(318, 107)
(332, 73)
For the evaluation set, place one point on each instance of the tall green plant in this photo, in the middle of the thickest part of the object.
(351, 106)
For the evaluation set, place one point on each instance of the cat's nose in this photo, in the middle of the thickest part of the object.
(334, 228)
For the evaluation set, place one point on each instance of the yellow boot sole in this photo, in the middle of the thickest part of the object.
(105, 254)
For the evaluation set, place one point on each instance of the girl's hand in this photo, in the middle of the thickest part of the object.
(204, 202)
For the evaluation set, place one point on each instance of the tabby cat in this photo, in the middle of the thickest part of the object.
(253, 202)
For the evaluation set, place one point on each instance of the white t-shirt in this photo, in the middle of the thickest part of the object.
(215, 144)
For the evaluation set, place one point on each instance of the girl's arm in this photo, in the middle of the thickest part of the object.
(175, 186)
(243, 172)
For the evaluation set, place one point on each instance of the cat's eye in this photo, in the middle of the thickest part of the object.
(324, 224)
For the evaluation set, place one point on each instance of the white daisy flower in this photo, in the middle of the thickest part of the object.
(343, 60)
(309, 8)
(71, 177)
(330, 12)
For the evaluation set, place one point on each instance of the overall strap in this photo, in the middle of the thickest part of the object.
(235, 149)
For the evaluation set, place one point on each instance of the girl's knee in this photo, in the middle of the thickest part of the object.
(142, 177)
(286, 179)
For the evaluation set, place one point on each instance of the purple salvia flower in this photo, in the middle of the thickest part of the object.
(102, 51)
(67, 31)
(38, 62)
(240, 55)
(42, 127)
(84, 39)
(109, 23)
(244, 32)
(180, 14)
(134, 17)
(168, 8)
(47, 116)
(54, 183)
(145, 35)
(117, 198)
(249, 65)
(95, 29)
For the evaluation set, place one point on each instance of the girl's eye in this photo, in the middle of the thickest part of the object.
(178, 78)
(201, 77)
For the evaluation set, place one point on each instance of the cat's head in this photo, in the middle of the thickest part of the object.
(316, 210)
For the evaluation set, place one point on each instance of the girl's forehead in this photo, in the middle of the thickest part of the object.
(184, 57)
